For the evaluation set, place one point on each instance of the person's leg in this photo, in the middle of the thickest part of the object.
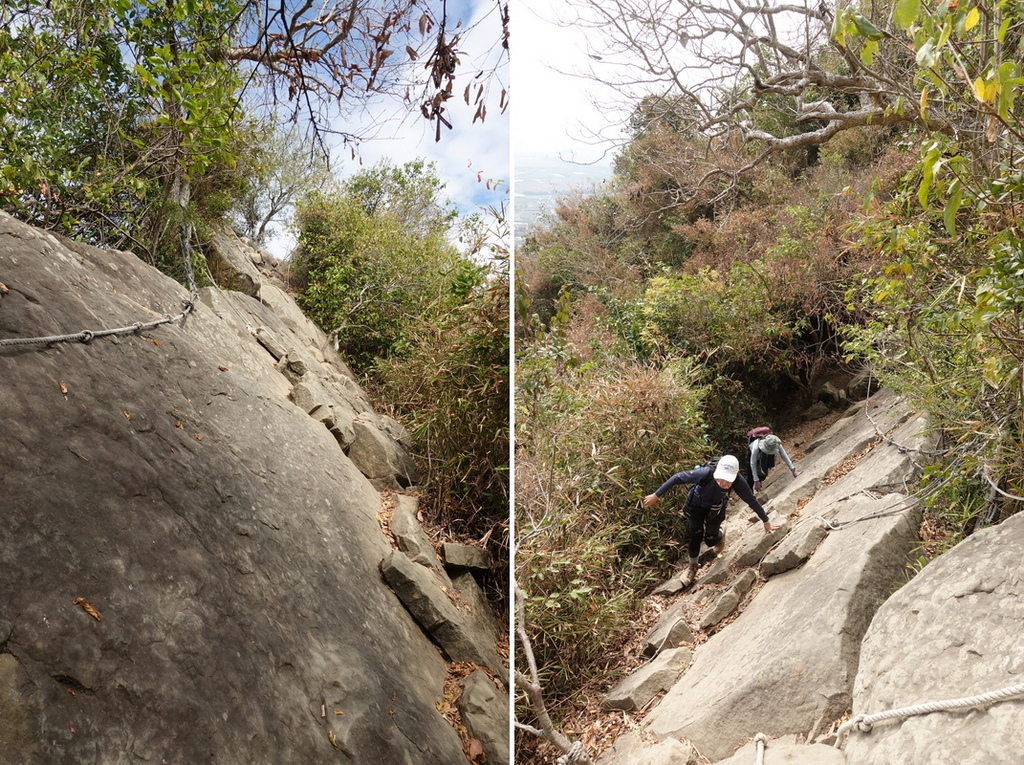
(713, 534)
(697, 517)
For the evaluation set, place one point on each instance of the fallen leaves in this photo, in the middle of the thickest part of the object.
(475, 751)
(88, 607)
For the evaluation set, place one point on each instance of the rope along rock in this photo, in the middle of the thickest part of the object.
(760, 741)
(88, 335)
(863, 723)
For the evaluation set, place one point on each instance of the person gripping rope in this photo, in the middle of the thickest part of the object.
(706, 501)
(763, 451)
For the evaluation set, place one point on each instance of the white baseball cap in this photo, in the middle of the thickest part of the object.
(727, 469)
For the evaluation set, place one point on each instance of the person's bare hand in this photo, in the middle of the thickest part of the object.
(650, 500)
(769, 527)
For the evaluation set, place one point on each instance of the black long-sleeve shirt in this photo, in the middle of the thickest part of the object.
(709, 493)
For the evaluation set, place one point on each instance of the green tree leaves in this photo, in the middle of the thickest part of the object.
(375, 256)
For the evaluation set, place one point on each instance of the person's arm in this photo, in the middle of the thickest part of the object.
(788, 461)
(744, 492)
(755, 455)
(687, 476)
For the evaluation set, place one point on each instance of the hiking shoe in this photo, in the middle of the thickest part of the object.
(720, 546)
(688, 574)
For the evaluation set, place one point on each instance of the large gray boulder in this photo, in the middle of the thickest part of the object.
(190, 560)
(952, 632)
(424, 592)
(657, 676)
(787, 751)
(231, 264)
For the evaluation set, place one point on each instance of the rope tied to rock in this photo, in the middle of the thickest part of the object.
(864, 723)
(760, 741)
(576, 755)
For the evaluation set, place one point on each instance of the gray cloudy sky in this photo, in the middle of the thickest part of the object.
(553, 110)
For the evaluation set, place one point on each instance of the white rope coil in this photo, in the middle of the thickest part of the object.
(864, 723)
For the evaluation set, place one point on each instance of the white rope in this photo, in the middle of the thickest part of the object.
(760, 741)
(576, 754)
(863, 723)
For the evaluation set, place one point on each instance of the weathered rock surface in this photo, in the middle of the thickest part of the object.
(785, 751)
(191, 561)
(466, 556)
(796, 548)
(427, 597)
(409, 534)
(657, 676)
(484, 709)
(231, 265)
(633, 748)
(728, 601)
(786, 664)
(952, 632)
(671, 631)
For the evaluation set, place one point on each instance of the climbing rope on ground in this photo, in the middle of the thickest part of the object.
(832, 525)
(864, 723)
(902, 448)
(88, 335)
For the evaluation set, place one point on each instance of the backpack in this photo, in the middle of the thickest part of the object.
(758, 432)
(712, 464)
(711, 474)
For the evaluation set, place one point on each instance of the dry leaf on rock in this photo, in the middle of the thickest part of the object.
(88, 608)
(475, 751)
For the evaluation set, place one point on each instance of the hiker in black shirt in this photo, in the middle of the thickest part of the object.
(706, 503)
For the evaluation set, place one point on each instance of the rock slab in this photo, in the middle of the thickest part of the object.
(963, 614)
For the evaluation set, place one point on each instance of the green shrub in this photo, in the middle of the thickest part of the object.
(374, 255)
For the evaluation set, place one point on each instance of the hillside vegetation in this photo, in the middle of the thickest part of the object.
(762, 235)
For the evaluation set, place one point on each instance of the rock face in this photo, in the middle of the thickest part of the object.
(796, 642)
(963, 614)
(191, 559)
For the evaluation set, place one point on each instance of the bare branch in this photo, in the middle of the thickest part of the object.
(531, 686)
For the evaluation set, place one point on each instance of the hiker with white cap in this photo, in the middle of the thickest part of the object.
(763, 450)
(710, 486)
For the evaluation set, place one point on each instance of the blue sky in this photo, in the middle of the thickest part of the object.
(465, 154)
(467, 149)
